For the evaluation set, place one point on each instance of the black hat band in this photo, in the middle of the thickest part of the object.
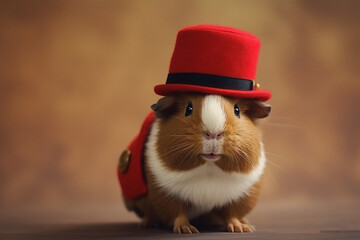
(209, 80)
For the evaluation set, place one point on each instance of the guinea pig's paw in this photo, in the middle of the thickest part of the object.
(182, 225)
(234, 225)
(187, 228)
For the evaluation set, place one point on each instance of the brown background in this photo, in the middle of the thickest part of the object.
(77, 80)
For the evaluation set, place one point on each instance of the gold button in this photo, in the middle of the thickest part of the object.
(257, 85)
(124, 161)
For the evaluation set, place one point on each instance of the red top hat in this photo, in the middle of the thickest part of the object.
(214, 60)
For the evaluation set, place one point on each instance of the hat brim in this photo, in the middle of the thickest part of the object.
(168, 89)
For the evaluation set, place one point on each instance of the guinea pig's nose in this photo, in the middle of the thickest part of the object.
(209, 135)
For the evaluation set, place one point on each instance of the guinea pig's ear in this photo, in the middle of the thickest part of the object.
(165, 107)
(258, 109)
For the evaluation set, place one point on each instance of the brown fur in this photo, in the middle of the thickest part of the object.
(180, 142)
(242, 140)
(179, 146)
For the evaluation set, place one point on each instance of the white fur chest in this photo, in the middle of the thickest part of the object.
(205, 187)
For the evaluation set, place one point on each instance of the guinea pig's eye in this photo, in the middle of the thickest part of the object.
(236, 111)
(189, 109)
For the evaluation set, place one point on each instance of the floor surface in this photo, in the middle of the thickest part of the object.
(339, 220)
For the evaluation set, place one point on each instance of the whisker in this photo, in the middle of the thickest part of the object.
(272, 160)
(183, 159)
(274, 154)
(177, 148)
(236, 160)
(244, 155)
(188, 155)
(192, 152)
(180, 135)
(273, 163)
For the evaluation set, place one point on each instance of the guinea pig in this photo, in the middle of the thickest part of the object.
(203, 159)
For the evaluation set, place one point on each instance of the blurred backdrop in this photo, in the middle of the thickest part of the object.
(77, 77)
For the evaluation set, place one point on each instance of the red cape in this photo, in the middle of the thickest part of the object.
(132, 181)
